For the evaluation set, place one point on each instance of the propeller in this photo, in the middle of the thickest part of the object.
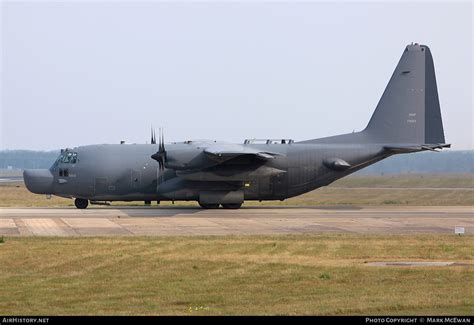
(160, 155)
(153, 136)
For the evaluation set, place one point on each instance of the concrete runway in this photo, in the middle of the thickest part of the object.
(168, 221)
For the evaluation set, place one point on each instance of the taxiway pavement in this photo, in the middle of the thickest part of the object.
(169, 221)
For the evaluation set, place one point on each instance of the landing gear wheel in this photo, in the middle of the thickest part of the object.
(232, 206)
(208, 206)
(81, 203)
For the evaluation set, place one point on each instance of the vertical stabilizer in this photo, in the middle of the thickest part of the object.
(409, 110)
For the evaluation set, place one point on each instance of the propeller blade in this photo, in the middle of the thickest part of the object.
(153, 136)
(160, 155)
(161, 147)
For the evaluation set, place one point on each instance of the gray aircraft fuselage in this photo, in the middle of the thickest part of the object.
(407, 119)
(126, 172)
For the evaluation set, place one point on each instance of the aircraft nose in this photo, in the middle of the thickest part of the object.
(39, 181)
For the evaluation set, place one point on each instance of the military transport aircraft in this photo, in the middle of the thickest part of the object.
(406, 119)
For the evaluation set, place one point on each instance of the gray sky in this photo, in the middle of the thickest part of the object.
(76, 73)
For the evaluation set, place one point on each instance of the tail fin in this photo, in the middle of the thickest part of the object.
(409, 111)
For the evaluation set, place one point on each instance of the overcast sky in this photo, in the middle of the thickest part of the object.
(99, 72)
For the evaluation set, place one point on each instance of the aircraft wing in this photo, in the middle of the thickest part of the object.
(199, 155)
(223, 152)
(217, 165)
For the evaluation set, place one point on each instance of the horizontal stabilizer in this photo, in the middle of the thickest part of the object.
(411, 148)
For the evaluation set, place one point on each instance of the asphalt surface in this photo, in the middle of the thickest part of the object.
(167, 221)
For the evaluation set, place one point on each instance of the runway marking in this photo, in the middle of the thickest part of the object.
(44, 227)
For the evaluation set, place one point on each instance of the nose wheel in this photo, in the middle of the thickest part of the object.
(81, 203)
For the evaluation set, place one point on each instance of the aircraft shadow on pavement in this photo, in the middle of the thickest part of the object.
(170, 211)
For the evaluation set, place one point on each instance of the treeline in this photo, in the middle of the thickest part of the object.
(422, 162)
(425, 162)
(27, 159)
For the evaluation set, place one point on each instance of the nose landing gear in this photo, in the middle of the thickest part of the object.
(81, 203)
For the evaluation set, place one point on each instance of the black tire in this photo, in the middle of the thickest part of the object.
(232, 206)
(81, 203)
(208, 206)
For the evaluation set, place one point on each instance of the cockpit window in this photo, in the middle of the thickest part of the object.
(68, 157)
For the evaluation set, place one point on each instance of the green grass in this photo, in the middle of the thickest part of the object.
(295, 274)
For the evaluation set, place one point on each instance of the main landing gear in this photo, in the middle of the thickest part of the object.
(232, 206)
(216, 206)
(81, 203)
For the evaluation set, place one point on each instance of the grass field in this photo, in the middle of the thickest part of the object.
(425, 190)
(304, 274)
